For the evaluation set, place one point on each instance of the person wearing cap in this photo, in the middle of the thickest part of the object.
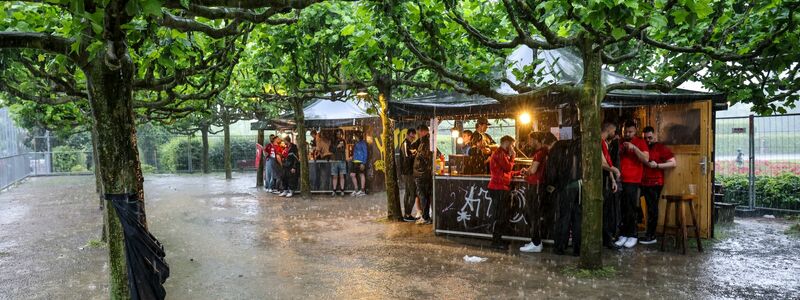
(481, 127)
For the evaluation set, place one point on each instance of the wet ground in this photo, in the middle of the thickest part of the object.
(228, 240)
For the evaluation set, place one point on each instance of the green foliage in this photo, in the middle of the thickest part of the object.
(241, 148)
(782, 191)
(174, 155)
(794, 230)
(64, 158)
(93, 243)
(148, 169)
(78, 169)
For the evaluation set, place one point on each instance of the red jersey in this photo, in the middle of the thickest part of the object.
(659, 154)
(500, 166)
(539, 156)
(606, 155)
(630, 165)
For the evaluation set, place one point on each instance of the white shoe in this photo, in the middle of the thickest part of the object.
(289, 194)
(282, 194)
(269, 190)
(354, 193)
(621, 241)
(531, 248)
(276, 192)
(361, 193)
(418, 216)
(631, 242)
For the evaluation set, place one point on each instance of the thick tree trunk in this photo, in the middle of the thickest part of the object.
(592, 193)
(226, 128)
(110, 93)
(189, 155)
(393, 211)
(260, 168)
(204, 158)
(299, 118)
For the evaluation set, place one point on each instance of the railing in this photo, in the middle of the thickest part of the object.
(14, 168)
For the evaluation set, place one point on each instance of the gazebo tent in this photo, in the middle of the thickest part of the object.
(327, 113)
(558, 66)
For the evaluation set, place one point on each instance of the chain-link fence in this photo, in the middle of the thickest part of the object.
(14, 158)
(758, 161)
(184, 154)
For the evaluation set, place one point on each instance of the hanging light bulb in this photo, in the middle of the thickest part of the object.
(525, 118)
(460, 141)
(454, 132)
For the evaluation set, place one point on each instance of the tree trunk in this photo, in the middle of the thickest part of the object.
(592, 193)
(189, 167)
(260, 168)
(98, 181)
(110, 94)
(226, 127)
(299, 118)
(393, 211)
(204, 158)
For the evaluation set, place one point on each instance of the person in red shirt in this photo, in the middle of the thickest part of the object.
(661, 158)
(633, 154)
(501, 165)
(610, 176)
(540, 142)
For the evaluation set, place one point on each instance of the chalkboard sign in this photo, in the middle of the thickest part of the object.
(462, 206)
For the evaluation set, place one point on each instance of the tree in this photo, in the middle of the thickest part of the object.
(682, 37)
(120, 46)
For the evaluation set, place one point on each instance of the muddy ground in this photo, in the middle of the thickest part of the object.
(228, 240)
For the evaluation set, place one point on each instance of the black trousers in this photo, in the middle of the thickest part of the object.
(424, 191)
(290, 180)
(611, 211)
(568, 218)
(410, 193)
(629, 207)
(651, 195)
(499, 209)
(534, 209)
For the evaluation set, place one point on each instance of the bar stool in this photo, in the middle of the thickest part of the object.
(680, 227)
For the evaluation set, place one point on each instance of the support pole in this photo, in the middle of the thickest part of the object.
(752, 162)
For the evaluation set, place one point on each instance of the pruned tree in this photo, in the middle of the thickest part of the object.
(122, 46)
(465, 41)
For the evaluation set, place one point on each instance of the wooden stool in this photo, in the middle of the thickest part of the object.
(680, 226)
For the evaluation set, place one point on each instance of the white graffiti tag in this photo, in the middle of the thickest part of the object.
(472, 204)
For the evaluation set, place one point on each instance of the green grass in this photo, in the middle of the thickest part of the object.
(794, 230)
(95, 244)
(605, 272)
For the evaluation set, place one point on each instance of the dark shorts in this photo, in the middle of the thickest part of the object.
(355, 167)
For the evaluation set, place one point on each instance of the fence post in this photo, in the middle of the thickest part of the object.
(752, 162)
(189, 152)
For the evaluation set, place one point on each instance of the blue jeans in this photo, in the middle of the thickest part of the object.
(338, 168)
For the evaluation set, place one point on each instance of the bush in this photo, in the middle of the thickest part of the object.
(147, 169)
(781, 191)
(173, 155)
(78, 168)
(65, 157)
(242, 148)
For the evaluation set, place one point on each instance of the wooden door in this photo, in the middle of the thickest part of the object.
(686, 129)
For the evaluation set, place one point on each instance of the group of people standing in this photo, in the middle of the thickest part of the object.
(282, 166)
(415, 165)
(553, 185)
(334, 150)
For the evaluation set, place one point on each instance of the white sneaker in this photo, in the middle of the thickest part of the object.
(276, 192)
(269, 190)
(282, 194)
(361, 193)
(631, 242)
(621, 241)
(289, 194)
(354, 193)
(531, 248)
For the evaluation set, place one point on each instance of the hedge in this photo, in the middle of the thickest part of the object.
(173, 155)
(65, 158)
(241, 149)
(781, 191)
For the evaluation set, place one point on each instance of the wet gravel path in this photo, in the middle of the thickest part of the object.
(228, 240)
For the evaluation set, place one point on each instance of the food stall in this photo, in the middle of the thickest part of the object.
(326, 116)
(461, 202)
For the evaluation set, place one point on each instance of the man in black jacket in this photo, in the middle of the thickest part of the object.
(423, 173)
(563, 177)
(291, 168)
(408, 149)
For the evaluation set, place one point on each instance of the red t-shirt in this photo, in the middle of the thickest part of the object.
(501, 166)
(659, 154)
(539, 156)
(606, 155)
(630, 165)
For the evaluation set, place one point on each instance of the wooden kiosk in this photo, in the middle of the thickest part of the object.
(683, 120)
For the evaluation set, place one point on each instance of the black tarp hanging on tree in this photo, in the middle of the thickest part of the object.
(147, 269)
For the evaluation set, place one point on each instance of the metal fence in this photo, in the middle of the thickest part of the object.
(758, 161)
(14, 158)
